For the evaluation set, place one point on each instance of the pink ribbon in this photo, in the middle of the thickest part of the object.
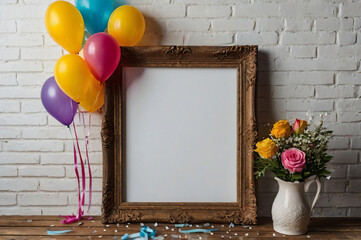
(86, 138)
(81, 191)
(72, 218)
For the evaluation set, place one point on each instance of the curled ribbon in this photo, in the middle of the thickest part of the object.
(81, 188)
(87, 160)
(72, 218)
(145, 233)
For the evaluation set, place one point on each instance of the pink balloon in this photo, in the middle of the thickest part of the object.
(102, 53)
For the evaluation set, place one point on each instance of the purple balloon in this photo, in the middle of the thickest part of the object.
(57, 103)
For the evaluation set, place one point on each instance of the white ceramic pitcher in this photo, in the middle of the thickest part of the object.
(291, 211)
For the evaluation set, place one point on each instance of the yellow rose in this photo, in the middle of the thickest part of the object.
(266, 148)
(281, 129)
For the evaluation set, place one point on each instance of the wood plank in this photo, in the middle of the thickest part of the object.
(16, 227)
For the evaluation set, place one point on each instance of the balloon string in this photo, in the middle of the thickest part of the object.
(73, 218)
(82, 165)
(86, 138)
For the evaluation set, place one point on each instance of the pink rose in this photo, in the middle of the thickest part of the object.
(293, 159)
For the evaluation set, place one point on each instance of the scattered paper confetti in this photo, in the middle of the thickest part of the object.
(142, 224)
(107, 225)
(156, 224)
(174, 236)
(100, 236)
(165, 235)
(80, 223)
(222, 236)
(104, 230)
(166, 227)
(115, 230)
(52, 225)
(274, 234)
(212, 226)
(90, 218)
(118, 225)
(95, 231)
(308, 236)
(250, 228)
(198, 226)
(222, 226)
(211, 233)
(235, 234)
(231, 225)
(206, 225)
(29, 220)
(247, 234)
(172, 229)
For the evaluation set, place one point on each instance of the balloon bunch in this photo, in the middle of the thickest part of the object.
(79, 76)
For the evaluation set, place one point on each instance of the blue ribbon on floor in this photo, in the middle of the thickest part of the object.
(58, 232)
(145, 232)
(198, 230)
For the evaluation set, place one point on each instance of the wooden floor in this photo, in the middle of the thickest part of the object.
(35, 227)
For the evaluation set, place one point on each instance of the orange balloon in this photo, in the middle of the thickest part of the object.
(94, 98)
(73, 76)
(126, 25)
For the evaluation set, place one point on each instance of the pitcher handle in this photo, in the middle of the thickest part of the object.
(307, 185)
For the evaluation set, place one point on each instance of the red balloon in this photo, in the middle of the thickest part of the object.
(102, 53)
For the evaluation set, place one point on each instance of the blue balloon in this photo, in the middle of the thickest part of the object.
(95, 13)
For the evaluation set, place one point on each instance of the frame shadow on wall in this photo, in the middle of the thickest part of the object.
(266, 188)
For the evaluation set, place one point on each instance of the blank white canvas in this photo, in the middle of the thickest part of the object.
(181, 141)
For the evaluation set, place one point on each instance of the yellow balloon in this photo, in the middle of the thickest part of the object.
(73, 76)
(94, 98)
(126, 25)
(65, 25)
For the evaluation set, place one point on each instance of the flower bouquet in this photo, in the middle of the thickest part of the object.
(294, 153)
(297, 156)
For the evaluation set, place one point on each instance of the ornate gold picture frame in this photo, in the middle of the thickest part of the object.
(114, 207)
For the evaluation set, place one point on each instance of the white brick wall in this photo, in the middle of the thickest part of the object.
(309, 59)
